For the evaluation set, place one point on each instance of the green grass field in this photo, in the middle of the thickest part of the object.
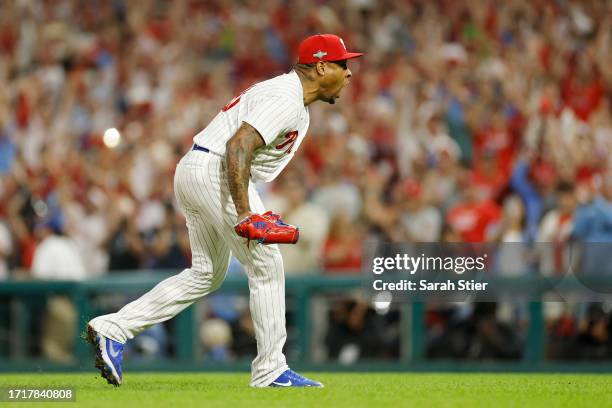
(341, 390)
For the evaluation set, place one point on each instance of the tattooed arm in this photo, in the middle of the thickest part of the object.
(239, 152)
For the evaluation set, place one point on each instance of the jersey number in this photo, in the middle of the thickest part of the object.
(290, 137)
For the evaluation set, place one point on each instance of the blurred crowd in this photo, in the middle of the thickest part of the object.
(465, 121)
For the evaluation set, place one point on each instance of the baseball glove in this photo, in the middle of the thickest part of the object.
(267, 228)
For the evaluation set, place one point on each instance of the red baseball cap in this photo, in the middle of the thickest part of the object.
(324, 47)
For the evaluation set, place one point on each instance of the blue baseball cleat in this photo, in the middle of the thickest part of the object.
(290, 378)
(109, 355)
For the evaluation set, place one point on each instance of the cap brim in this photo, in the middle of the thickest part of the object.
(346, 56)
(350, 55)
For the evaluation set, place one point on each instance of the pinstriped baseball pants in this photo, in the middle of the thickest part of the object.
(202, 192)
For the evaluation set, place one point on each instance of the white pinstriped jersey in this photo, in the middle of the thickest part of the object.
(276, 109)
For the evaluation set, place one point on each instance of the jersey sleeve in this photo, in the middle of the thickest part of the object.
(272, 116)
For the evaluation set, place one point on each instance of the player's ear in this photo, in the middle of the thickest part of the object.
(320, 68)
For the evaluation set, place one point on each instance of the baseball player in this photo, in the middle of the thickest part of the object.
(252, 138)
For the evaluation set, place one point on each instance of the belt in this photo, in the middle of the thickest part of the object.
(200, 148)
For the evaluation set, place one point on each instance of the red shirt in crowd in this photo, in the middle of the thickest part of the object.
(349, 263)
(582, 99)
(470, 221)
(497, 141)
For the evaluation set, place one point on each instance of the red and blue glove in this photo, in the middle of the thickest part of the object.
(267, 228)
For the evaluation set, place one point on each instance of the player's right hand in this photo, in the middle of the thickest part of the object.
(267, 228)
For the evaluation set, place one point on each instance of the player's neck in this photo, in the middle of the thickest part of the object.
(310, 88)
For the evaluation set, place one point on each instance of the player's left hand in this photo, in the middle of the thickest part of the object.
(267, 228)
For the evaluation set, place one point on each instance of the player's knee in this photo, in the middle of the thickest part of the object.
(270, 267)
(268, 254)
(208, 281)
(217, 281)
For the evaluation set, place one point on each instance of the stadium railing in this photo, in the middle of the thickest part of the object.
(302, 290)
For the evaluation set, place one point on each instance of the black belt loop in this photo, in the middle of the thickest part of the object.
(200, 148)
